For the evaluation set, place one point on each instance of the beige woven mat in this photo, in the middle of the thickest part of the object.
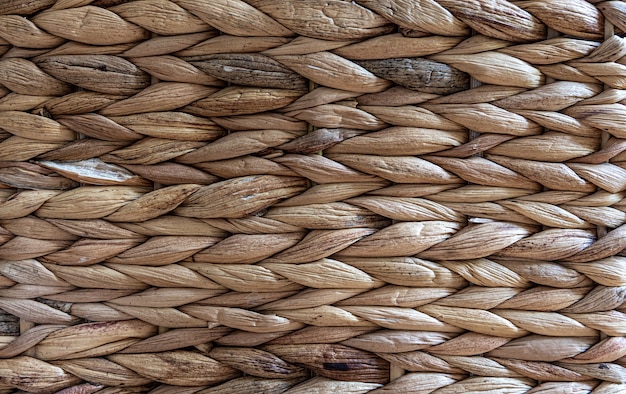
(307, 196)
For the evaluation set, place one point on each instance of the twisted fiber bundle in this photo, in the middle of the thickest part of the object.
(228, 196)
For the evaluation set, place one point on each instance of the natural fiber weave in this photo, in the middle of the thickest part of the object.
(307, 196)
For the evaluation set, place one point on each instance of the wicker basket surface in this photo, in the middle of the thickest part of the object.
(312, 196)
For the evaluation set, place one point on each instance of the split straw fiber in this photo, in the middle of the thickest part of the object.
(307, 196)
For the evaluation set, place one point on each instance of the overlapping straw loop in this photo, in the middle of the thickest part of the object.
(236, 196)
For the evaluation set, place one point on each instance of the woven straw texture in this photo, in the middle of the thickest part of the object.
(312, 196)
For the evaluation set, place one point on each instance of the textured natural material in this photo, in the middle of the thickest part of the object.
(307, 196)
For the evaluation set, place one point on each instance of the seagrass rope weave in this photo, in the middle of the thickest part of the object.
(306, 196)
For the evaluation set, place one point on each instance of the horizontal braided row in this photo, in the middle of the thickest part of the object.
(453, 383)
(313, 18)
(500, 311)
(355, 228)
(202, 70)
(576, 358)
(343, 206)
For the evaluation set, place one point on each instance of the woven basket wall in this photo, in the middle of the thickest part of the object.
(312, 196)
